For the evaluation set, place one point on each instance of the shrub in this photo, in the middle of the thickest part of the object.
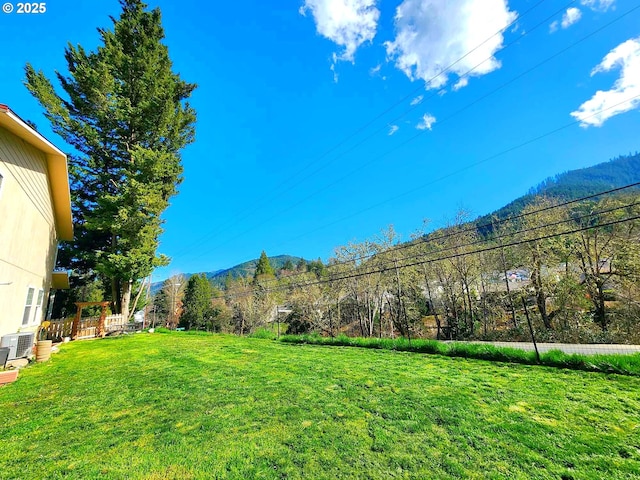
(265, 333)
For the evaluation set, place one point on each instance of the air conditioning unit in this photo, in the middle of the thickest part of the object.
(19, 344)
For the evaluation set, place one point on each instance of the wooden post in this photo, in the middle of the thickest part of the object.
(100, 331)
(76, 322)
(533, 337)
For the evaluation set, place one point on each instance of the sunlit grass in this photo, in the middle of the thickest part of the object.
(210, 406)
(621, 364)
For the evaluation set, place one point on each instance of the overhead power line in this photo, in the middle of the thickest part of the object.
(251, 209)
(419, 134)
(475, 227)
(488, 249)
(433, 260)
(436, 93)
(428, 240)
(456, 172)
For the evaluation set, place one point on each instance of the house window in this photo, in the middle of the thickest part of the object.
(36, 315)
(28, 306)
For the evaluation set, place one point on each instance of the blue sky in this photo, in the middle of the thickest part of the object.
(282, 83)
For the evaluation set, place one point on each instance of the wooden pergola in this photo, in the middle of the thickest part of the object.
(100, 330)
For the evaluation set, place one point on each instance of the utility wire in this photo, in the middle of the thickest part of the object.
(251, 209)
(474, 228)
(511, 244)
(436, 93)
(427, 240)
(454, 173)
(457, 255)
(527, 230)
(483, 161)
(393, 265)
(411, 139)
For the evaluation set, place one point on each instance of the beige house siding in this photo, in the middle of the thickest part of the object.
(27, 233)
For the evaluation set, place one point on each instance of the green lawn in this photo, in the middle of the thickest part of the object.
(186, 406)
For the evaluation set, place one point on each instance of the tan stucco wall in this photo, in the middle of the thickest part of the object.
(27, 232)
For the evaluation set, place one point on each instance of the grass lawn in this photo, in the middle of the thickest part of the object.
(181, 406)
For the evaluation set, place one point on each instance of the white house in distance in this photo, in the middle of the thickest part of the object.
(35, 213)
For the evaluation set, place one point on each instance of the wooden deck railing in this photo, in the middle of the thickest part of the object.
(88, 327)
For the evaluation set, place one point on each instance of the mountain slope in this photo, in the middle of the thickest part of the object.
(618, 172)
(574, 184)
(245, 269)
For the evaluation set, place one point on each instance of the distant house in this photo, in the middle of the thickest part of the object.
(35, 213)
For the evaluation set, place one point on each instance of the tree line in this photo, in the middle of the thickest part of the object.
(573, 268)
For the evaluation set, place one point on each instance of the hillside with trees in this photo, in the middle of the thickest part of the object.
(218, 278)
(571, 268)
(248, 269)
(617, 172)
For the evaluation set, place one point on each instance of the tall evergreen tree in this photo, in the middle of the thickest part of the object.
(288, 265)
(197, 302)
(263, 268)
(301, 266)
(317, 267)
(126, 114)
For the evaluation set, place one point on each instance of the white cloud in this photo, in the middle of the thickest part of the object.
(427, 122)
(433, 34)
(333, 70)
(625, 94)
(347, 23)
(375, 70)
(393, 129)
(601, 5)
(463, 82)
(417, 100)
(571, 16)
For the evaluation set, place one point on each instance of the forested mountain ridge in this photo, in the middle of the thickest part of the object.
(247, 269)
(570, 185)
(554, 268)
(618, 172)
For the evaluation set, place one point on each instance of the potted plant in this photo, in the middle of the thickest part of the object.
(43, 346)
